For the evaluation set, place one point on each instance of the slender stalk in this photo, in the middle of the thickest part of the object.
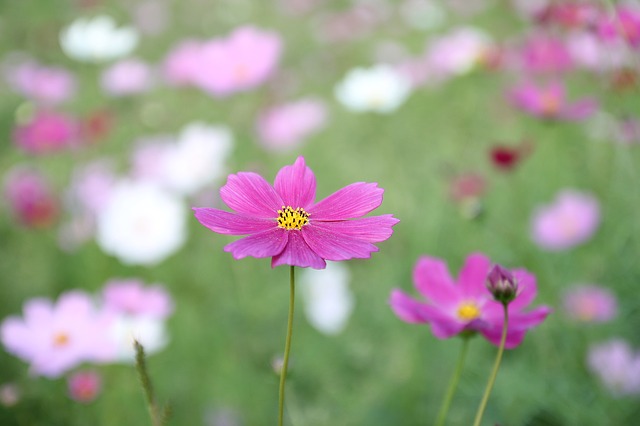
(496, 366)
(157, 418)
(287, 345)
(453, 384)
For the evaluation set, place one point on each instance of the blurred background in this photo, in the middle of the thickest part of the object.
(503, 127)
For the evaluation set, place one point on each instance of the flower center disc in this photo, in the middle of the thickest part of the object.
(468, 312)
(60, 340)
(290, 218)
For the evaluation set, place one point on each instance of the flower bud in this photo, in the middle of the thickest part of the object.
(502, 284)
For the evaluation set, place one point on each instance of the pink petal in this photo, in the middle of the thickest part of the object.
(579, 110)
(527, 289)
(473, 275)
(263, 244)
(298, 253)
(370, 229)
(446, 329)
(248, 193)
(227, 223)
(332, 245)
(514, 337)
(349, 202)
(412, 311)
(527, 320)
(432, 280)
(296, 185)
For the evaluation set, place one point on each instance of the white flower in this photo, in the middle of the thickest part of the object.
(149, 331)
(97, 39)
(327, 298)
(141, 223)
(380, 89)
(459, 51)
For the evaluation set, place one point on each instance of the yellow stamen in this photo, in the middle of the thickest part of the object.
(290, 218)
(60, 339)
(550, 103)
(468, 311)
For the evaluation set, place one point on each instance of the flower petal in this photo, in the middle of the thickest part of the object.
(296, 185)
(248, 193)
(332, 245)
(370, 229)
(579, 110)
(527, 289)
(473, 275)
(298, 253)
(527, 320)
(514, 337)
(415, 312)
(263, 244)
(227, 223)
(352, 201)
(432, 280)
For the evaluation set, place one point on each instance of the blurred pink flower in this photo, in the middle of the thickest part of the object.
(453, 307)
(84, 386)
(570, 220)
(132, 297)
(10, 394)
(545, 54)
(617, 366)
(240, 62)
(31, 198)
(91, 186)
(625, 25)
(285, 126)
(467, 186)
(51, 85)
(570, 15)
(458, 52)
(56, 337)
(590, 303)
(284, 222)
(47, 132)
(127, 77)
(549, 101)
(181, 64)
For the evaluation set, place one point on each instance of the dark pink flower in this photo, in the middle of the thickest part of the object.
(549, 101)
(545, 54)
(31, 198)
(84, 386)
(283, 221)
(625, 24)
(47, 132)
(466, 305)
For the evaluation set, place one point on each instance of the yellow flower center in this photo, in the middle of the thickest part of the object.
(468, 311)
(60, 340)
(550, 103)
(290, 218)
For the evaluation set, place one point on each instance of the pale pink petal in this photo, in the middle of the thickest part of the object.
(349, 202)
(371, 229)
(263, 244)
(298, 253)
(432, 279)
(248, 193)
(296, 185)
(579, 110)
(331, 245)
(231, 224)
(473, 275)
(415, 312)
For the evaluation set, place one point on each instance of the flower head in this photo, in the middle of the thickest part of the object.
(30, 197)
(285, 223)
(285, 126)
(617, 366)
(590, 303)
(97, 39)
(549, 101)
(502, 284)
(465, 305)
(84, 386)
(47, 132)
(379, 89)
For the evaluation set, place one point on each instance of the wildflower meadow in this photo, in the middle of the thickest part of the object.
(319, 212)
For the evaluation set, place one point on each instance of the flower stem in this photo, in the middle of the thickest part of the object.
(496, 366)
(287, 345)
(158, 418)
(453, 384)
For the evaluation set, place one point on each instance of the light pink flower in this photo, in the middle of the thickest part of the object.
(285, 126)
(84, 386)
(51, 85)
(240, 62)
(31, 198)
(56, 337)
(617, 366)
(549, 101)
(283, 221)
(590, 303)
(452, 307)
(46, 132)
(570, 220)
(91, 186)
(127, 77)
(545, 54)
(182, 63)
(132, 297)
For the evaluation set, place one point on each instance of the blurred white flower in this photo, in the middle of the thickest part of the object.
(457, 52)
(327, 298)
(149, 331)
(141, 223)
(380, 89)
(97, 39)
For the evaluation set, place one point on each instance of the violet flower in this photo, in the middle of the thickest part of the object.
(549, 101)
(452, 307)
(617, 366)
(283, 222)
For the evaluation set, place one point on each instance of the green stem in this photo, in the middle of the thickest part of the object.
(287, 345)
(141, 365)
(496, 366)
(453, 384)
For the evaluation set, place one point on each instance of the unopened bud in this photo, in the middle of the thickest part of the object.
(502, 284)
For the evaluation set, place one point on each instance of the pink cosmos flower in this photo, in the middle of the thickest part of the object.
(127, 77)
(285, 126)
(617, 366)
(590, 303)
(283, 222)
(31, 198)
(84, 386)
(625, 24)
(47, 132)
(549, 101)
(545, 54)
(570, 220)
(240, 62)
(181, 64)
(453, 307)
(131, 297)
(56, 337)
(49, 85)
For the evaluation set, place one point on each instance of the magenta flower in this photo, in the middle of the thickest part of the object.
(84, 386)
(544, 54)
(467, 305)
(31, 198)
(617, 366)
(131, 297)
(625, 24)
(549, 101)
(570, 220)
(286, 126)
(283, 222)
(47, 132)
(590, 303)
